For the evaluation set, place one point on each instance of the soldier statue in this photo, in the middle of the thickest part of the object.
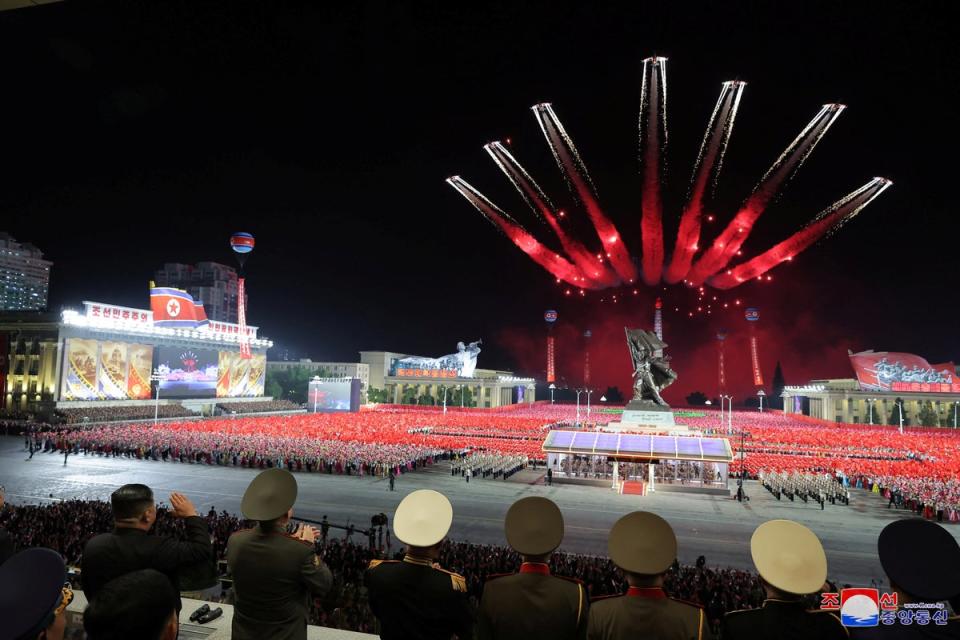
(651, 370)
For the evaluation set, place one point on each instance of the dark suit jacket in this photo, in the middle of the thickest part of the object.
(273, 574)
(7, 547)
(532, 605)
(652, 615)
(110, 555)
(782, 620)
(412, 601)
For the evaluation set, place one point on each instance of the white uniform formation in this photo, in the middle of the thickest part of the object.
(819, 487)
(487, 465)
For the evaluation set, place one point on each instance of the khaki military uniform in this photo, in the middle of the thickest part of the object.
(273, 576)
(782, 619)
(413, 599)
(532, 604)
(646, 613)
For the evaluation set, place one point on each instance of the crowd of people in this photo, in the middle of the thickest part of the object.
(133, 582)
(262, 406)
(247, 449)
(66, 527)
(118, 414)
(921, 463)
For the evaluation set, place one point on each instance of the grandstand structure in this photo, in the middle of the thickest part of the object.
(110, 355)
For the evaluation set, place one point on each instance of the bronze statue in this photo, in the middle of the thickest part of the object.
(651, 373)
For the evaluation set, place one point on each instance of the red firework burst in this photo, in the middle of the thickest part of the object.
(576, 264)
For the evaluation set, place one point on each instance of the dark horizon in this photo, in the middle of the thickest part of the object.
(140, 134)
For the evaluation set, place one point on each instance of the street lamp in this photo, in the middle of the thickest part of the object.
(741, 494)
(761, 394)
(579, 391)
(444, 399)
(551, 387)
(900, 406)
(460, 386)
(316, 395)
(730, 415)
(870, 402)
(955, 403)
(157, 377)
(729, 401)
(589, 392)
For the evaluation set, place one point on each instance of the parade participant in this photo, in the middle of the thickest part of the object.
(792, 564)
(644, 546)
(273, 572)
(533, 603)
(415, 598)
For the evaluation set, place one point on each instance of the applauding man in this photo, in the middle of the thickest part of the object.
(129, 548)
(274, 572)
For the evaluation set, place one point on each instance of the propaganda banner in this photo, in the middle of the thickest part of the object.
(79, 379)
(112, 372)
(139, 367)
(892, 371)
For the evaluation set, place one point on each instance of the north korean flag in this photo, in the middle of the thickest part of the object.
(173, 308)
(199, 314)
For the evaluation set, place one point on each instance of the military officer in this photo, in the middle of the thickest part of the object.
(274, 572)
(34, 593)
(644, 546)
(415, 598)
(533, 603)
(922, 561)
(792, 564)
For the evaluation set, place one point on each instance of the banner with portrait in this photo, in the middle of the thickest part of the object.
(79, 378)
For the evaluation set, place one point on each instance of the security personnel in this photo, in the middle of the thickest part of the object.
(34, 594)
(533, 603)
(792, 564)
(273, 571)
(415, 598)
(922, 562)
(644, 546)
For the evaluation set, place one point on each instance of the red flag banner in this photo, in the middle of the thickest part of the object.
(891, 371)
(242, 319)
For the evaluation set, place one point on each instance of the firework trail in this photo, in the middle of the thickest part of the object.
(826, 223)
(706, 171)
(575, 172)
(552, 262)
(596, 273)
(727, 244)
(613, 265)
(653, 143)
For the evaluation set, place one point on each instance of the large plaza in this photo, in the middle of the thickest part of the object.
(715, 527)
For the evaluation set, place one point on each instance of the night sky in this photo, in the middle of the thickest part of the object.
(137, 133)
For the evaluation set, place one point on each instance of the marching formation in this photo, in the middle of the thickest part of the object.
(806, 486)
(485, 465)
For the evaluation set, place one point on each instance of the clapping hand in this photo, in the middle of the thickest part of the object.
(182, 507)
(306, 533)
